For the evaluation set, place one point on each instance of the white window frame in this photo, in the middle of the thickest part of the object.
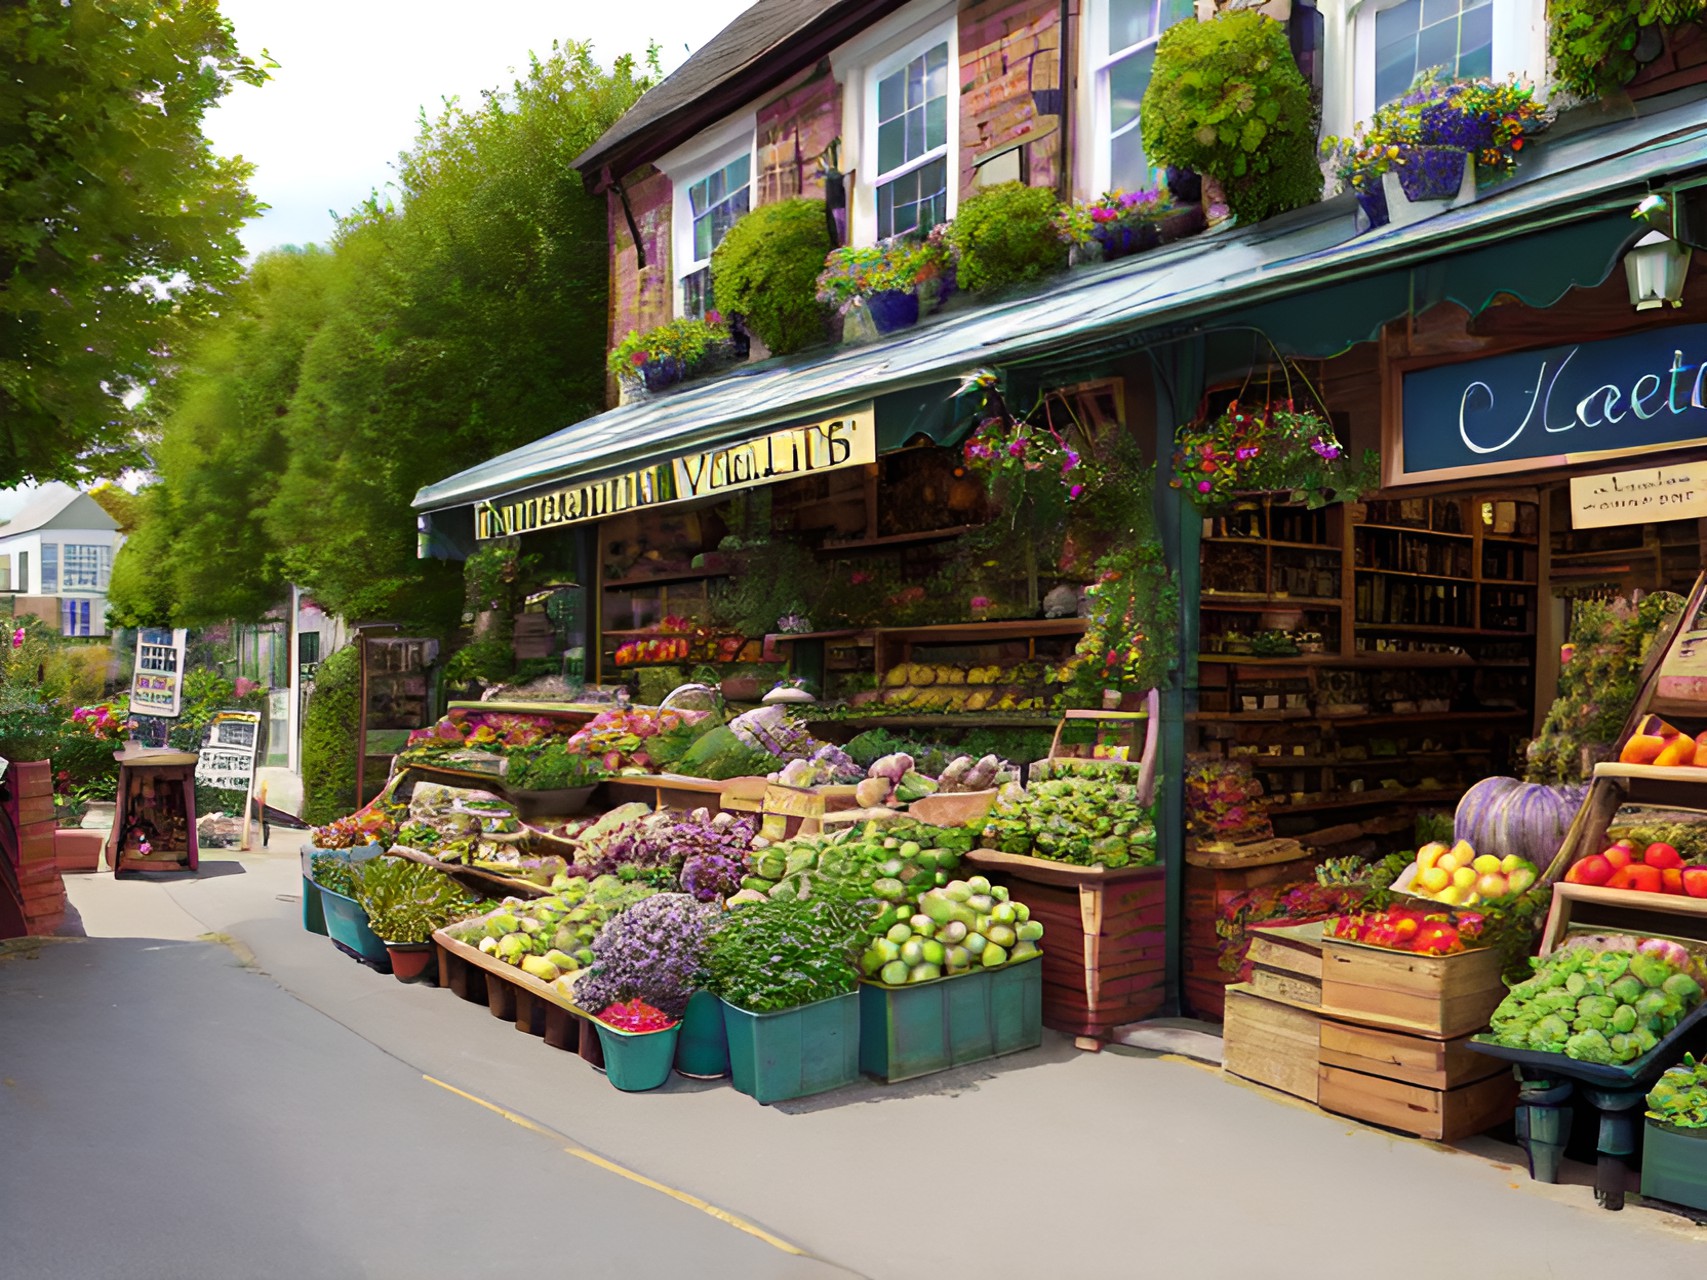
(1097, 141)
(103, 568)
(694, 162)
(1520, 46)
(862, 63)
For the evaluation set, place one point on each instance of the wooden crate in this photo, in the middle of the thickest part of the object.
(1418, 1060)
(1439, 996)
(1104, 938)
(1286, 962)
(1444, 1115)
(1208, 890)
(1271, 1043)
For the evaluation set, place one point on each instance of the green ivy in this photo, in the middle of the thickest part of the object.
(766, 271)
(1593, 42)
(1227, 100)
(330, 727)
(1006, 235)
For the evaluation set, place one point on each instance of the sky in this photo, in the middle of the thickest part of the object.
(354, 74)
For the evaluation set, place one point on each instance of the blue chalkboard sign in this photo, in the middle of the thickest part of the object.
(1555, 405)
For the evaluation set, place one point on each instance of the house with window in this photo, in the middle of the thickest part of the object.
(56, 557)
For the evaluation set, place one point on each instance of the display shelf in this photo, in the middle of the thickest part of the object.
(663, 579)
(1671, 787)
(1480, 633)
(1622, 910)
(897, 539)
(851, 633)
(1410, 573)
(993, 631)
(1278, 808)
(1343, 660)
(948, 720)
(1422, 717)
(1224, 541)
(1264, 600)
(1427, 533)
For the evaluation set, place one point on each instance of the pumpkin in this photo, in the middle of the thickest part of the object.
(1503, 816)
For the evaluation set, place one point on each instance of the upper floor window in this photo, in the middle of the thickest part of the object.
(710, 197)
(87, 567)
(50, 568)
(1123, 53)
(1412, 36)
(911, 181)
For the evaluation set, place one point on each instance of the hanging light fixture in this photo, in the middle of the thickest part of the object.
(1657, 265)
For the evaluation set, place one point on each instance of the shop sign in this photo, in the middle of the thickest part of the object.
(1554, 406)
(848, 440)
(1638, 497)
(227, 758)
(156, 687)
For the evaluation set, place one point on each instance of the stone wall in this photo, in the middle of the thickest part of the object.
(1011, 85)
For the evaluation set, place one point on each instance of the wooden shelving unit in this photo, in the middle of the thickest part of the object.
(1427, 611)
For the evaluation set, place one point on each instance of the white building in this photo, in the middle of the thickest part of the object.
(56, 559)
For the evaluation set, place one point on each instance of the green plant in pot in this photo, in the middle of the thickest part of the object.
(1594, 43)
(1006, 235)
(405, 902)
(766, 270)
(1226, 100)
(671, 352)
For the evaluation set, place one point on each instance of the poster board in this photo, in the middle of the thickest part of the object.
(228, 754)
(157, 684)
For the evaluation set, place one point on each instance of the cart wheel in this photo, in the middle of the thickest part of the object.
(1609, 1177)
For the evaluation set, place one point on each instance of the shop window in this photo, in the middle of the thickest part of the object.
(706, 207)
(87, 567)
(1398, 40)
(1122, 46)
(911, 123)
(49, 568)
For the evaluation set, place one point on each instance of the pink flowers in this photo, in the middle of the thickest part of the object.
(980, 602)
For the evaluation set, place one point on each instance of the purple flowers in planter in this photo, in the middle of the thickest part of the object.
(653, 952)
(710, 877)
(1432, 173)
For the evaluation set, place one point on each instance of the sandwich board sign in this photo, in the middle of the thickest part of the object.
(227, 757)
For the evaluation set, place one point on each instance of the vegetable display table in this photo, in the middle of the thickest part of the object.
(1105, 940)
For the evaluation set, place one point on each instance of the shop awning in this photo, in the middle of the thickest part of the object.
(1581, 183)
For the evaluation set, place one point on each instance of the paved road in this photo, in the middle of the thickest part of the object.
(166, 1114)
(307, 1091)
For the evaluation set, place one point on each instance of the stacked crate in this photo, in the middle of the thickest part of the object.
(43, 889)
(1213, 878)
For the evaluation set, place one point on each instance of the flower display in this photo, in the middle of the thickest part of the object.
(1268, 448)
(692, 344)
(462, 729)
(1117, 222)
(854, 274)
(653, 951)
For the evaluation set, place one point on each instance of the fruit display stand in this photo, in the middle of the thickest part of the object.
(923, 1027)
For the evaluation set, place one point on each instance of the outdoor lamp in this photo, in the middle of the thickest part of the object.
(1656, 267)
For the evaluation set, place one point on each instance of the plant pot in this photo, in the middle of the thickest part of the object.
(893, 309)
(1373, 202)
(1431, 181)
(666, 371)
(702, 1051)
(923, 1027)
(410, 961)
(559, 802)
(347, 926)
(1184, 185)
(1674, 1164)
(1123, 241)
(742, 688)
(636, 1061)
(1187, 220)
(793, 1053)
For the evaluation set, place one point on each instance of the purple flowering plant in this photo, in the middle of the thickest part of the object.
(711, 877)
(654, 951)
(656, 847)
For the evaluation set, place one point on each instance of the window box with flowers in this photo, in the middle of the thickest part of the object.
(1116, 225)
(671, 353)
(886, 279)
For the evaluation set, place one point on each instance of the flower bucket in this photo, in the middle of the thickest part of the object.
(1373, 202)
(659, 374)
(636, 1061)
(702, 1052)
(347, 925)
(1431, 181)
(893, 309)
(410, 960)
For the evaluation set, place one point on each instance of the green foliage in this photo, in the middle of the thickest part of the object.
(489, 660)
(105, 180)
(405, 901)
(330, 871)
(548, 767)
(766, 272)
(1131, 642)
(775, 577)
(1006, 235)
(1598, 686)
(1593, 42)
(330, 725)
(781, 955)
(1679, 1097)
(854, 273)
(1226, 99)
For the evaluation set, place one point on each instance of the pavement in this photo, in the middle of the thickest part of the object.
(264, 1105)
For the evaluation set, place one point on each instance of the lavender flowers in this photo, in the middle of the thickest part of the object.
(653, 952)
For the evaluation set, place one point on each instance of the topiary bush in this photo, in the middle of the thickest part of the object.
(330, 726)
(766, 271)
(1006, 235)
(1226, 100)
(1593, 42)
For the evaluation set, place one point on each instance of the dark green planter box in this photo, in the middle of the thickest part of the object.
(931, 1026)
(794, 1052)
(702, 1051)
(1674, 1165)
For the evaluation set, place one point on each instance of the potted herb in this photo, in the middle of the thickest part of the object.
(786, 976)
(1674, 1148)
(549, 781)
(1114, 225)
(672, 352)
(884, 279)
(654, 953)
(405, 902)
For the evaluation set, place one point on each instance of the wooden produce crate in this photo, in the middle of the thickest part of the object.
(534, 1007)
(1209, 887)
(1104, 939)
(1286, 962)
(1442, 997)
(1270, 1042)
(1444, 1115)
(1417, 1060)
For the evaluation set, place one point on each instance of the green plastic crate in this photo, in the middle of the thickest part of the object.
(794, 1052)
(1674, 1165)
(914, 1030)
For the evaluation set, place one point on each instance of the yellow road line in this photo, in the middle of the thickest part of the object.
(693, 1201)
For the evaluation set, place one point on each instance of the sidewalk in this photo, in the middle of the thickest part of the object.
(1048, 1162)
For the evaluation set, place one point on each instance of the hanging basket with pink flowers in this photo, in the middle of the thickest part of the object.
(1269, 448)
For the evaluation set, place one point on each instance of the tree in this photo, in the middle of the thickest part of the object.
(118, 224)
(122, 505)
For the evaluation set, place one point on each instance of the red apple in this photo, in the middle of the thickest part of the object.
(1662, 856)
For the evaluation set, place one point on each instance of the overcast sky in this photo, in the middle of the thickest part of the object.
(354, 74)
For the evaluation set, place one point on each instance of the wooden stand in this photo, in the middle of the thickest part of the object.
(156, 806)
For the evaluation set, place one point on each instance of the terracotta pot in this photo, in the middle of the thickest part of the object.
(410, 961)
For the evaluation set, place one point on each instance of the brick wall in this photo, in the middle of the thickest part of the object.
(794, 129)
(1010, 84)
(640, 299)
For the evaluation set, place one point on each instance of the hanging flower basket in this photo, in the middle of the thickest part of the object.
(1274, 448)
(1373, 202)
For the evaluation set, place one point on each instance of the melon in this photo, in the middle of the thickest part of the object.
(1502, 816)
